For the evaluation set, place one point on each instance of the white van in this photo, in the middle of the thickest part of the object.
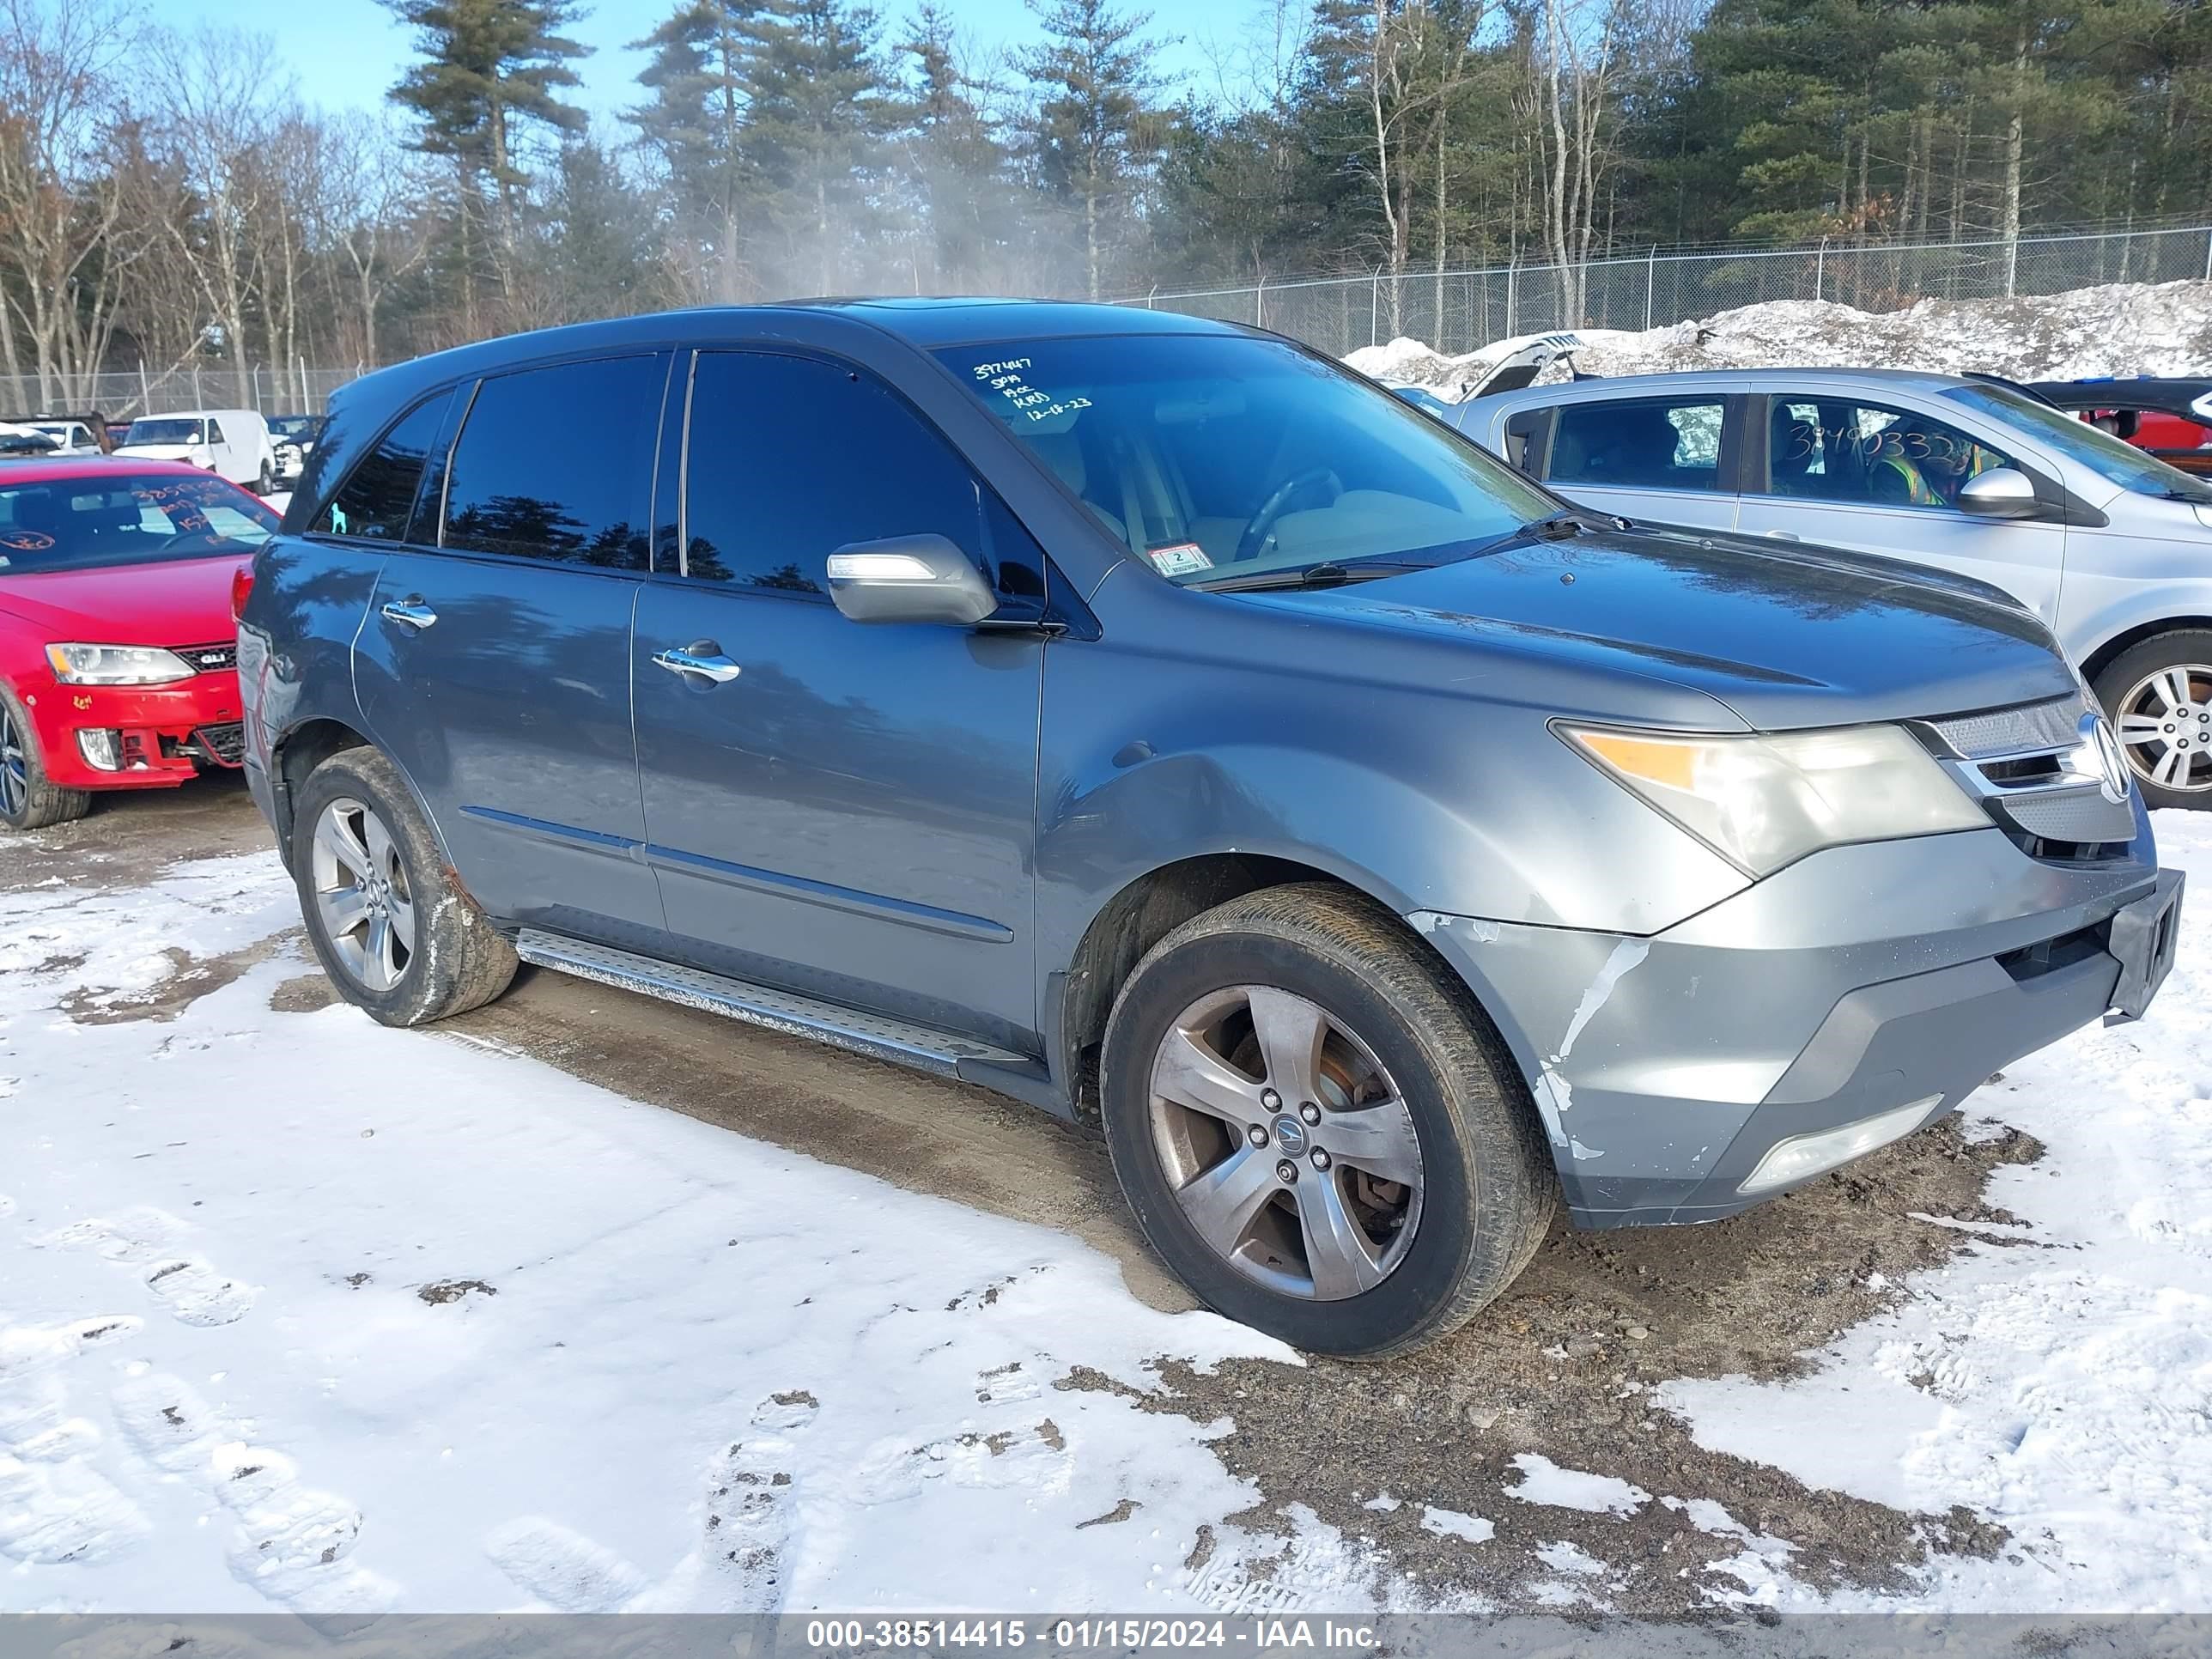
(75, 437)
(232, 442)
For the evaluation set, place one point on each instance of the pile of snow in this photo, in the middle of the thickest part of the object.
(2121, 328)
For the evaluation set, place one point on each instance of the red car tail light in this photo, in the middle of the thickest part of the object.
(241, 589)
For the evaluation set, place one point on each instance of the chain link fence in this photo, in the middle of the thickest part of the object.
(1460, 310)
(1454, 312)
(125, 396)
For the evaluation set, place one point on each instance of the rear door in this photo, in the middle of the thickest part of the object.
(841, 810)
(1668, 459)
(493, 664)
(1881, 474)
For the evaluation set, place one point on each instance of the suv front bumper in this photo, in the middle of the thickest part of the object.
(1857, 983)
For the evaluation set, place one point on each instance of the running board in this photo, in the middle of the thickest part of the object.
(873, 1035)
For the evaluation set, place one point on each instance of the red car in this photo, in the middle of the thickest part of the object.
(118, 649)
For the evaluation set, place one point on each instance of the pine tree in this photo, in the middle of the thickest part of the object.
(700, 79)
(491, 71)
(596, 232)
(953, 169)
(818, 121)
(1095, 131)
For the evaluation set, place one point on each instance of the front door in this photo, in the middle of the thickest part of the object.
(1884, 477)
(1664, 460)
(841, 809)
(494, 664)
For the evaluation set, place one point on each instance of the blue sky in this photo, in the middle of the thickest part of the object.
(345, 53)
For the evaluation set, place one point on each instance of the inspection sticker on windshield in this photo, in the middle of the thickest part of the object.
(1180, 560)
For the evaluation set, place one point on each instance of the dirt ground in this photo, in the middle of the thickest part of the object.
(1564, 1365)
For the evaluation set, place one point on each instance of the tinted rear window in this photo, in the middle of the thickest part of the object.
(557, 464)
(378, 498)
(76, 523)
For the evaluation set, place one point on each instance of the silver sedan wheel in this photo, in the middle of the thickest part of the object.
(363, 901)
(2165, 727)
(1287, 1144)
(15, 767)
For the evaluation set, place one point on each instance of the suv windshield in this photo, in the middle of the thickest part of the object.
(2119, 463)
(74, 524)
(165, 432)
(295, 425)
(1225, 456)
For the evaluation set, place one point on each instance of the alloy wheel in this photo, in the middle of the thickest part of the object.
(15, 767)
(1287, 1144)
(362, 900)
(2165, 727)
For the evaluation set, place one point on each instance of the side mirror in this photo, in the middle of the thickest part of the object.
(2003, 492)
(909, 579)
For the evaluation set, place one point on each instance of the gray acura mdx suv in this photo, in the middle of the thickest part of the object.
(1148, 719)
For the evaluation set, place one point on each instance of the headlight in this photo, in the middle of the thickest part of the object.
(116, 665)
(1762, 801)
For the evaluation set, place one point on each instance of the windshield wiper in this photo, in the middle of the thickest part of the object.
(1562, 526)
(1326, 574)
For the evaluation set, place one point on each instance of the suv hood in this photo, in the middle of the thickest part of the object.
(1786, 636)
(186, 601)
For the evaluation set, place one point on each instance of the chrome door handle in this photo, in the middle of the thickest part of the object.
(1785, 535)
(413, 613)
(717, 668)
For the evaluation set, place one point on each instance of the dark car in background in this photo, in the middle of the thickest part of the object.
(1151, 719)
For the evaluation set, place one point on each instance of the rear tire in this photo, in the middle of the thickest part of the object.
(390, 921)
(1312, 985)
(28, 799)
(2158, 696)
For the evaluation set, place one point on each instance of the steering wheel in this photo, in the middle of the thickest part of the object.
(1263, 522)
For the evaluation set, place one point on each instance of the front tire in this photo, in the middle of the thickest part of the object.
(2158, 696)
(391, 923)
(1318, 1129)
(28, 800)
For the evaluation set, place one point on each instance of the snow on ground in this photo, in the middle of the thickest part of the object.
(2056, 1378)
(2131, 328)
(1543, 1481)
(300, 1313)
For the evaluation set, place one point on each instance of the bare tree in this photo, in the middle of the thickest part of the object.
(216, 116)
(367, 216)
(1579, 59)
(58, 205)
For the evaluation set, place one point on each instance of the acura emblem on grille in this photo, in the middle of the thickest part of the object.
(2100, 757)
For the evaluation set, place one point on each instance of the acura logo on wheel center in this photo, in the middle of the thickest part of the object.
(1290, 1134)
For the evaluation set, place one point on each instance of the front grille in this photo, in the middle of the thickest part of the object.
(2032, 727)
(2025, 766)
(211, 659)
(223, 745)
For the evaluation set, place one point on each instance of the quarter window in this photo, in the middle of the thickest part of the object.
(1524, 439)
(1654, 443)
(378, 495)
(790, 458)
(557, 464)
(1839, 450)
